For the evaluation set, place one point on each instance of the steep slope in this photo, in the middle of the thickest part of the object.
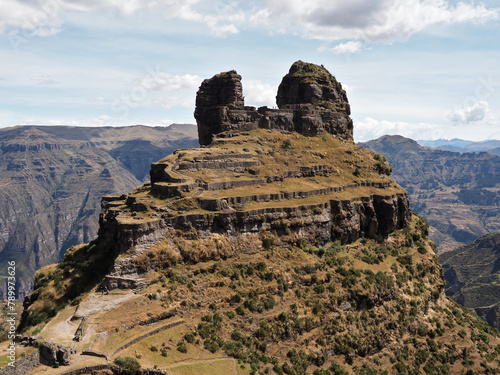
(269, 249)
(472, 274)
(457, 193)
(52, 179)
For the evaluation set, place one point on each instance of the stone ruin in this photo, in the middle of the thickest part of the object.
(310, 102)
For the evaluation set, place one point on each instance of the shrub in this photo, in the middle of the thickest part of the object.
(189, 337)
(181, 347)
(267, 242)
(128, 363)
(286, 144)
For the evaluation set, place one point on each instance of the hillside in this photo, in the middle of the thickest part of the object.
(472, 276)
(53, 178)
(458, 193)
(278, 247)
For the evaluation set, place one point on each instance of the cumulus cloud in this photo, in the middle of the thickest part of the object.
(370, 128)
(474, 113)
(44, 17)
(259, 93)
(169, 82)
(346, 48)
(36, 17)
(368, 20)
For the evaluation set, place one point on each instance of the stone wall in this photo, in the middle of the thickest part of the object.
(23, 365)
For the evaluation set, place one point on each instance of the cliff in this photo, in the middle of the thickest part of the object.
(265, 250)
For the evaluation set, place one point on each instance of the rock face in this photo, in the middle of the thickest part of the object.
(216, 102)
(310, 102)
(250, 185)
(316, 99)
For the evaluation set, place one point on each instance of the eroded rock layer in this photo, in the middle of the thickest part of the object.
(259, 183)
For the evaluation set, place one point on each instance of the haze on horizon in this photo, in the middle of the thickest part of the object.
(419, 68)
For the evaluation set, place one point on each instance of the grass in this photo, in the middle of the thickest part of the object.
(226, 366)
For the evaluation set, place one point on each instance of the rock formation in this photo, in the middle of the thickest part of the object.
(249, 183)
(310, 102)
(283, 251)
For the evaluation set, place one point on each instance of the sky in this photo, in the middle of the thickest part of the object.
(424, 69)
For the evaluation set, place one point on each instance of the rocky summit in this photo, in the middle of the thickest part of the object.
(310, 102)
(279, 246)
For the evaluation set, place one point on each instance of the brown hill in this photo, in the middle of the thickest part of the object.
(268, 250)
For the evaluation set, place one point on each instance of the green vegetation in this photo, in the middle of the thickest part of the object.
(129, 364)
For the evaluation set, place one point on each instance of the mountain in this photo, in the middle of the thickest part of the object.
(279, 246)
(472, 274)
(459, 145)
(53, 178)
(458, 193)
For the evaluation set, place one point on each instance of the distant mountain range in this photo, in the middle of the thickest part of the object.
(53, 177)
(472, 274)
(460, 145)
(458, 193)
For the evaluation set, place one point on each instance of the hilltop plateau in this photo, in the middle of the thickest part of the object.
(278, 246)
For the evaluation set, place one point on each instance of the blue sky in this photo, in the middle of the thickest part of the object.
(425, 69)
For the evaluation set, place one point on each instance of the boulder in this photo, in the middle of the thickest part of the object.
(48, 353)
(64, 355)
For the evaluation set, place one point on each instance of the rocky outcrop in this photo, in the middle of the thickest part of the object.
(317, 100)
(310, 102)
(216, 97)
(51, 353)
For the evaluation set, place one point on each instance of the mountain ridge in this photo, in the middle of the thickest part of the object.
(457, 193)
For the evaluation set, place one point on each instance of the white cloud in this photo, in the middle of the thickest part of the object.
(44, 17)
(34, 17)
(474, 113)
(106, 120)
(169, 82)
(258, 93)
(370, 128)
(349, 47)
(367, 19)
